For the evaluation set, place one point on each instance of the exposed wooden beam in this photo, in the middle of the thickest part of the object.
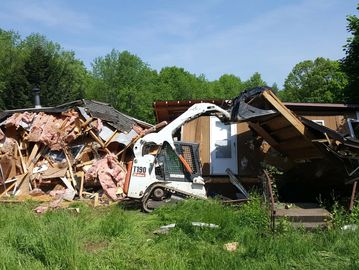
(263, 133)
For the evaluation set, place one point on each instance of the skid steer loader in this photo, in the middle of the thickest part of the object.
(164, 170)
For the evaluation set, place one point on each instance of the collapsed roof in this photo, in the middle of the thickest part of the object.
(96, 109)
(74, 149)
(295, 137)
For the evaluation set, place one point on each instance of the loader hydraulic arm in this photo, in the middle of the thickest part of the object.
(166, 134)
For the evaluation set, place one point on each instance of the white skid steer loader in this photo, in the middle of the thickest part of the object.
(164, 170)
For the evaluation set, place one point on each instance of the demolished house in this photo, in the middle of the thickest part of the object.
(87, 149)
(311, 143)
(78, 149)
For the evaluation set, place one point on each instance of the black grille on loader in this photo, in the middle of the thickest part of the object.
(170, 166)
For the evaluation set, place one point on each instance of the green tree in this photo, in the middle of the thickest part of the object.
(227, 86)
(35, 61)
(60, 76)
(275, 88)
(126, 82)
(254, 81)
(350, 63)
(12, 80)
(175, 83)
(320, 80)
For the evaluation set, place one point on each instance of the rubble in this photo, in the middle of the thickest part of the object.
(233, 246)
(166, 228)
(73, 151)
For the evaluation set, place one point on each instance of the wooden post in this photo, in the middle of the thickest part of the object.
(269, 186)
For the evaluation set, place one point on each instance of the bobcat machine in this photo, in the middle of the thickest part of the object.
(164, 170)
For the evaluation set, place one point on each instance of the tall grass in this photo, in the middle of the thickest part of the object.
(114, 238)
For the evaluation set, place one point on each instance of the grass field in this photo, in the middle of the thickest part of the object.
(114, 238)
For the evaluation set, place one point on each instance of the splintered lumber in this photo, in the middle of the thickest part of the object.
(284, 131)
(34, 151)
(7, 189)
(24, 185)
(70, 169)
(95, 204)
(264, 134)
(287, 114)
(97, 139)
(108, 141)
(90, 162)
(82, 178)
(85, 123)
(23, 163)
(54, 173)
(19, 179)
(66, 182)
(74, 144)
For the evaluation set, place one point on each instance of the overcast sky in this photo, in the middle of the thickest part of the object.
(211, 37)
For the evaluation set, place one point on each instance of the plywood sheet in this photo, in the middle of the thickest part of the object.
(275, 123)
(197, 131)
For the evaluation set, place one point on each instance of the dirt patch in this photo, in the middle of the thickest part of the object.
(95, 246)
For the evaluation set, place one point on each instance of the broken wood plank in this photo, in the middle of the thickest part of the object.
(262, 132)
(108, 141)
(23, 185)
(54, 173)
(97, 139)
(87, 122)
(277, 122)
(155, 127)
(287, 114)
(22, 160)
(70, 168)
(90, 162)
(82, 177)
(19, 178)
(34, 152)
(67, 182)
(95, 202)
(8, 189)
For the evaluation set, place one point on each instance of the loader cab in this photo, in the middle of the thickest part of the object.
(169, 167)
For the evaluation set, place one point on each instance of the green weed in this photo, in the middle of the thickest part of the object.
(114, 238)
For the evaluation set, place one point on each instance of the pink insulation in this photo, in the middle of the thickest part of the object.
(2, 135)
(16, 118)
(55, 131)
(110, 174)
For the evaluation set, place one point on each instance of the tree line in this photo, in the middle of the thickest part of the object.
(130, 85)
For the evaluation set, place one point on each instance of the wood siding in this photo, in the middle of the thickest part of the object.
(250, 152)
(333, 120)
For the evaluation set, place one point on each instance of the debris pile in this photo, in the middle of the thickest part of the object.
(74, 151)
